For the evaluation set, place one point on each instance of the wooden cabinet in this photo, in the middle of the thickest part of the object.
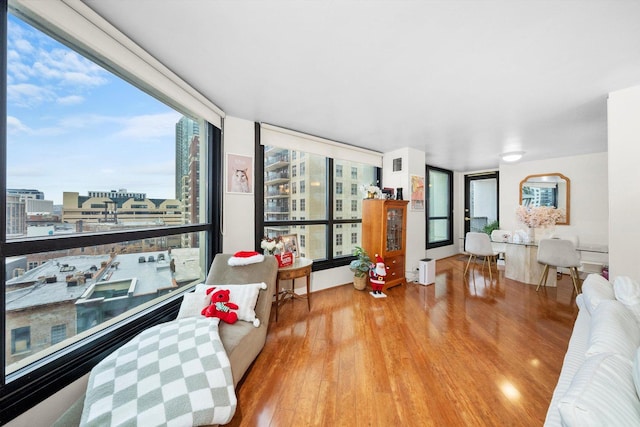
(384, 232)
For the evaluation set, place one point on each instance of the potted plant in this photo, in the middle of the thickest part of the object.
(360, 267)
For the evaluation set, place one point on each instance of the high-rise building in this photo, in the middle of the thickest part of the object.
(186, 129)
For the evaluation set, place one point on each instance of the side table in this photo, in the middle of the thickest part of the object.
(300, 268)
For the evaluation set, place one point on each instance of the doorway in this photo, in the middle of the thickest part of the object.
(480, 201)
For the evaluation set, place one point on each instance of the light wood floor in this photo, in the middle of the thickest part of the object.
(463, 352)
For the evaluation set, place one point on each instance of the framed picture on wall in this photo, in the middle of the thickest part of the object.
(417, 193)
(239, 174)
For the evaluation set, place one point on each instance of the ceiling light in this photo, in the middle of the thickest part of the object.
(512, 156)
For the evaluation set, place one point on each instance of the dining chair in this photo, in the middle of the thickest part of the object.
(558, 253)
(479, 244)
(499, 239)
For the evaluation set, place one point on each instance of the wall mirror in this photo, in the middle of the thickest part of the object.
(549, 189)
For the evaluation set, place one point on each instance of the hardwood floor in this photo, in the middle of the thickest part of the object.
(462, 352)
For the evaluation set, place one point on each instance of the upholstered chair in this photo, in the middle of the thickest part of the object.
(479, 244)
(558, 253)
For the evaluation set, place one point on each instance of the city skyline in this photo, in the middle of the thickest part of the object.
(68, 120)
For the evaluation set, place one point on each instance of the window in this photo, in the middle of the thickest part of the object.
(321, 205)
(58, 333)
(294, 187)
(338, 171)
(90, 246)
(354, 238)
(439, 207)
(294, 205)
(354, 173)
(20, 340)
(338, 239)
(302, 168)
(294, 172)
(354, 189)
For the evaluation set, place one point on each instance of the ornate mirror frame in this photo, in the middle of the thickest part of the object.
(547, 180)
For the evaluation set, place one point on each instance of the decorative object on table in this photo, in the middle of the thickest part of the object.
(377, 274)
(538, 217)
(245, 258)
(388, 193)
(290, 244)
(360, 267)
(399, 193)
(371, 191)
(272, 245)
(285, 259)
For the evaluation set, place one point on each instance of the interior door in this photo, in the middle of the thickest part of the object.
(480, 201)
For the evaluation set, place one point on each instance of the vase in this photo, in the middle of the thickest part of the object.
(531, 235)
(360, 283)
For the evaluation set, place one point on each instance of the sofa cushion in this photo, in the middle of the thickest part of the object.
(627, 291)
(613, 330)
(602, 393)
(596, 288)
(192, 304)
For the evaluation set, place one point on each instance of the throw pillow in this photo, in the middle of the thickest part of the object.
(613, 330)
(192, 304)
(602, 393)
(245, 296)
(596, 288)
(627, 291)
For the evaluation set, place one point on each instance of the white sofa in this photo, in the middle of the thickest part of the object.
(599, 382)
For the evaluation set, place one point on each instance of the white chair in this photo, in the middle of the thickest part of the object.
(558, 253)
(479, 244)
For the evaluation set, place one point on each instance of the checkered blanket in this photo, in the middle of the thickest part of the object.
(173, 374)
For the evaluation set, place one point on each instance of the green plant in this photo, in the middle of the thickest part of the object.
(360, 265)
(495, 225)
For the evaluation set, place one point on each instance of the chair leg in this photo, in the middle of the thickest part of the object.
(575, 278)
(468, 262)
(543, 276)
(489, 262)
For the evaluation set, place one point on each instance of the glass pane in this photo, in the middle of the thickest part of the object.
(311, 238)
(56, 298)
(345, 239)
(285, 170)
(87, 151)
(438, 230)
(350, 201)
(483, 209)
(438, 194)
(394, 230)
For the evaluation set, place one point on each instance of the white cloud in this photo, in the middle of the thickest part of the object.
(14, 125)
(149, 126)
(28, 95)
(71, 100)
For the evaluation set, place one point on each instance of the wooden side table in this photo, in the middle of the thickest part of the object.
(300, 268)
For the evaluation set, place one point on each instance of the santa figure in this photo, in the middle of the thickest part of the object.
(377, 272)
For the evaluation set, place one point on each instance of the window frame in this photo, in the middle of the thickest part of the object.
(448, 217)
(330, 260)
(24, 388)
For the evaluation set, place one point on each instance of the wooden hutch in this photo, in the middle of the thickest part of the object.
(384, 232)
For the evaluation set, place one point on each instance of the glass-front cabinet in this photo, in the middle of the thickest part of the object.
(384, 233)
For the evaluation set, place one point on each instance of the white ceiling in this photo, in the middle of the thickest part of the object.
(460, 80)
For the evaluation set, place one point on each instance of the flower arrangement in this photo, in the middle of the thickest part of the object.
(272, 244)
(371, 191)
(539, 216)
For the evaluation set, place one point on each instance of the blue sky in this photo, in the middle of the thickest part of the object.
(72, 126)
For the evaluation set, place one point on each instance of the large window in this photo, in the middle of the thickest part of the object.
(319, 236)
(439, 207)
(107, 222)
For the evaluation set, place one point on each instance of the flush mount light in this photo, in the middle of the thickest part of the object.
(512, 156)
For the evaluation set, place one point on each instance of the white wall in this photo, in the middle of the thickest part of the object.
(589, 216)
(624, 176)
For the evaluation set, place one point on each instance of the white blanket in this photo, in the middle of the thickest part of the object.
(173, 374)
